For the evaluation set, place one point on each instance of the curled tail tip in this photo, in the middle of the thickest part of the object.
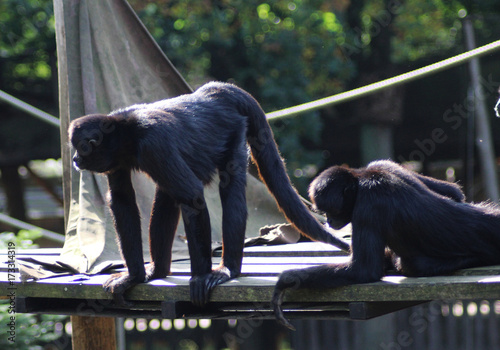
(284, 322)
(278, 311)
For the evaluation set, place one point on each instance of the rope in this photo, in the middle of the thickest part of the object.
(29, 109)
(384, 84)
(321, 103)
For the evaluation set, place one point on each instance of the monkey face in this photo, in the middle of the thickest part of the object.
(96, 143)
(334, 193)
(338, 221)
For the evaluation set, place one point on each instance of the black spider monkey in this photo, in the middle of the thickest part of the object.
(181, 143)
(422, 224)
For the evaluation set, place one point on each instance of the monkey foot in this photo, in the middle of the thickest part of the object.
(153, 273)
(201, 286)
(117, 284)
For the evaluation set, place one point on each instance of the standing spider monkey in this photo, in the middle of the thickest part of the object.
(181, 143)
(422, 224)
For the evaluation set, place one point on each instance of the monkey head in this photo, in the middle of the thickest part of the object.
(96, 141)
(334, 193)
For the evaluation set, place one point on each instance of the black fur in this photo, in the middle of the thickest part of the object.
(423, 224)
(181, 143)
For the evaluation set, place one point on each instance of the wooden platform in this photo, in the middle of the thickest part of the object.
(247, 296)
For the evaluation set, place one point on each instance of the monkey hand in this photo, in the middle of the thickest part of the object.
(118, 283)
(201, 286)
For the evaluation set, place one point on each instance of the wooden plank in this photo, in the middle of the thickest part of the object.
(214, 310)
(180, 309)
(265, 266)
(479, 271)
(37, 251)
(249, 295)
(367, 310)
(302, 254)
(259, 289)
(299, 249)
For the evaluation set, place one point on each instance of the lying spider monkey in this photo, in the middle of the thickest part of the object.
(422, 224)
(181, 143)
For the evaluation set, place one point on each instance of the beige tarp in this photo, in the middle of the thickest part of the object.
(108, 60)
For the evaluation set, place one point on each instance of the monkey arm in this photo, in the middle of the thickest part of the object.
(128, 228)
(162, 227)
(367, 264)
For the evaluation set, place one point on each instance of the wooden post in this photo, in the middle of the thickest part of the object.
(93, 333)
(14, 191)
(376, 142)
(484, 141)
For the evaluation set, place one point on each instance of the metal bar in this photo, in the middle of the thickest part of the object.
(29, 109)
(25, 226)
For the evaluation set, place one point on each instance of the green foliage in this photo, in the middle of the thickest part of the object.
(22, 240)
(32, 332)
(264, 45)
(286, 52)
(27, 44)
(28, 71)
(426, 28)
(283, 52)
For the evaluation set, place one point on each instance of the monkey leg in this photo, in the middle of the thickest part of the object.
(162, 227)
(234, 217)
(424, 266)
(234, 208)
(323, 276)
(197, 226)
(366, 265)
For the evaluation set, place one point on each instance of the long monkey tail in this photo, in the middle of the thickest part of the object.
(272, 171)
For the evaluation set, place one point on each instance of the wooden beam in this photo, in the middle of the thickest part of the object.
(93, 333)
